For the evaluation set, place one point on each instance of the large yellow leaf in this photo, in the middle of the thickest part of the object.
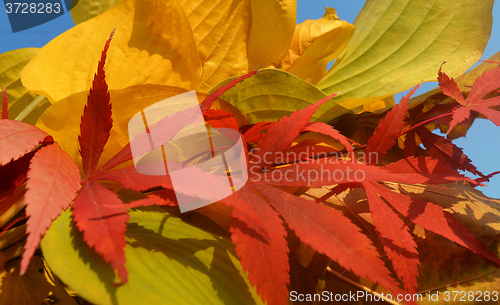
(190, 44)
(11, 63)
(83, 10)
(315, 43)
(399, 43)
(153, 43)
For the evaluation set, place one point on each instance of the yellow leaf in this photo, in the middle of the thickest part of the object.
(315, 43)
(153, 43)
(273, 24)
(235, 36)
(84, 10)
(188, 44)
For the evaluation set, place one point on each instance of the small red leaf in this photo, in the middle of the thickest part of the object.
(96, 121)
(5, 105)
(102, 217)
(330, 232)
(17, 138)
(53, 180)
(397, 240)
(449, 86)
(266, 261)
(387, 132)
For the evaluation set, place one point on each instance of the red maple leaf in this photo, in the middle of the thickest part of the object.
(388, 130)
(488, 82)
(53, 180)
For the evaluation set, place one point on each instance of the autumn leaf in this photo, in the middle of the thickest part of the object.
(330, 233)
(102, 217)
(488, 82)
(433, 218)
(96, 121)
(396, 238)
(266, 261)
(53, 180)
(389, 128)
(17, 138)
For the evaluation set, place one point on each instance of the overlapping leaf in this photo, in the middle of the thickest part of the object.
(17, 138)
(387, 132)
(176, 43)
(53, 180)
(489, 81)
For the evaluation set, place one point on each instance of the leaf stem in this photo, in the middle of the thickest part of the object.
(427, 121)
(35, 103)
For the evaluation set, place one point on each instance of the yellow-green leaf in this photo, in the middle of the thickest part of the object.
(11, 63)
(153, 43)
(168, 260)
(271, 94)
(83, 10)
(315, 43)
(399, 43)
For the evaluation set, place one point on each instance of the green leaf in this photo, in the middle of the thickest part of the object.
(169, 262)
(11, 63)
(83, 10)
(400, 43)
(271, 94)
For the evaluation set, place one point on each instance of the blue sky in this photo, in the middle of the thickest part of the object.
(481, 144)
